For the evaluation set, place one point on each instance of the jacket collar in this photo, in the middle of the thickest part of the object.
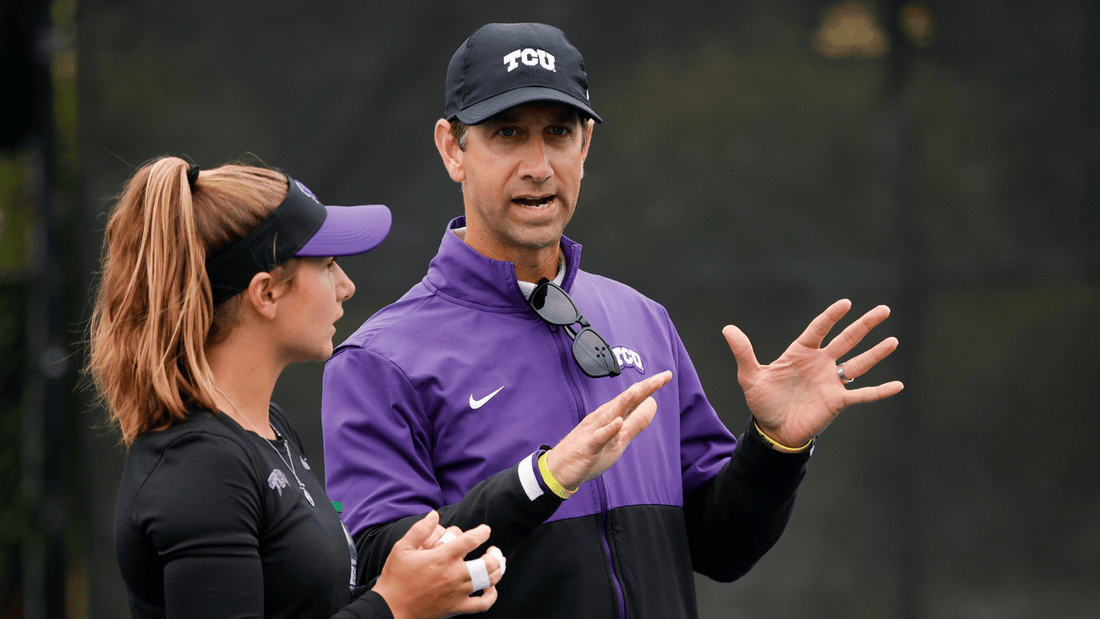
(460, 273)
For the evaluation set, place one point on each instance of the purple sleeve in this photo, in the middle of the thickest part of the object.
(705, 443)
(378, 464)
(377, 438)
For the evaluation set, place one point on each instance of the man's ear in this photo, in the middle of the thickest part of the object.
(449, 150)
(263, 295)
(589, 127)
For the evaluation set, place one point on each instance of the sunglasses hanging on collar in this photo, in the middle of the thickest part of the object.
(591, 352)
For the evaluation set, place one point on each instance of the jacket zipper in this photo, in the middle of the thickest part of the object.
(607, 548)
(566, 355)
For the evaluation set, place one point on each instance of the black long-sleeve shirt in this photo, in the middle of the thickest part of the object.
(210, 522)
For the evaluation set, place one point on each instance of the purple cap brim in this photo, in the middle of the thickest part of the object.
(349, 230)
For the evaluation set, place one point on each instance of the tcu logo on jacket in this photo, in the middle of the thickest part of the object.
(530, 57)
(628, 358)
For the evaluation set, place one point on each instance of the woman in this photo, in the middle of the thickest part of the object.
(212, 283)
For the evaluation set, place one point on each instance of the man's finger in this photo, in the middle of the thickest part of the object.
(643, 390)
(741, 347)
(854, 333)
(872, 394)
(821, 325)
(862, 363)
(639, 420)
(625, 403)
(603, 434)
(655, 382)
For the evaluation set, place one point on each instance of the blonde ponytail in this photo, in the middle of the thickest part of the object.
(154, 315)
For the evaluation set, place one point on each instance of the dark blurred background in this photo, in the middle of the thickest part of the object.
(758, 161)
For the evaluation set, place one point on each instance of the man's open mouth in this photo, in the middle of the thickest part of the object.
(540, 202)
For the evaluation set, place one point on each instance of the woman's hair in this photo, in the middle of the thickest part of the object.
(154, 315)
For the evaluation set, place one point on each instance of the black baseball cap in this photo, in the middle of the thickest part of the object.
(502, 66)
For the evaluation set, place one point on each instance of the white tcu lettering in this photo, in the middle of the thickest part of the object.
(546, 60)
(510, 60)
(530, 57)
(628, 358)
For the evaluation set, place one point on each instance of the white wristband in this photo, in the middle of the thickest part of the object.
(479, 574)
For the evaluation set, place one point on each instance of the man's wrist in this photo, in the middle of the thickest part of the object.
(551, 482)
(776, 445)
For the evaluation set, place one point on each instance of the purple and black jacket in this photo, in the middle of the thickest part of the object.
(409, 426)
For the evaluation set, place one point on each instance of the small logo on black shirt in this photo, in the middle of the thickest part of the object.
(277, 480)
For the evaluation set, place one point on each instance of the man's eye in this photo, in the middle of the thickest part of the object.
(559, 130)
(508, 132)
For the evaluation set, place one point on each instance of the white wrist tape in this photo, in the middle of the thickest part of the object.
(479, 575)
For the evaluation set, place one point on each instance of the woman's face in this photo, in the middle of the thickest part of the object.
(310, 307)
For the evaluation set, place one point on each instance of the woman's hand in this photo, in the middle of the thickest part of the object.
(425, 575)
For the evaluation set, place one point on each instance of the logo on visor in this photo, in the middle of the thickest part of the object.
(306, 191)
(531, 58)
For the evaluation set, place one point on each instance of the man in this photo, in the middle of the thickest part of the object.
(484, 363)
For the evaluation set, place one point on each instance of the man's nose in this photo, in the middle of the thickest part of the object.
(536, 163)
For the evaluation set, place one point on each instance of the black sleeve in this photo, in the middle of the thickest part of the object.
(369, 606)
(499, 502)
(741, 513)
(201, 511)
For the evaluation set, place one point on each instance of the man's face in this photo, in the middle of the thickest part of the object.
(521, 175)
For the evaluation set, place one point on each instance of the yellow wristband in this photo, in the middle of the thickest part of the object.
(778, 446)
(552, 483)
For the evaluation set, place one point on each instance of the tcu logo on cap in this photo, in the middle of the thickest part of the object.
(530, 57)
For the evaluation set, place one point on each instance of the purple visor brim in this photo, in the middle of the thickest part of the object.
(299, 226)
(349, 230)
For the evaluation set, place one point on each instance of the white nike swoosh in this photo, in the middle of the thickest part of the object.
(476, 404)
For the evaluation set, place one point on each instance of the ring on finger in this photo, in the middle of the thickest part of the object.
(840, 372)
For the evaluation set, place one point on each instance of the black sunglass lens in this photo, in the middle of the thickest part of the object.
(594, 355)
(554, 305)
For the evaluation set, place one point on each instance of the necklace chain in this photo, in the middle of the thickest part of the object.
(289, 463)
